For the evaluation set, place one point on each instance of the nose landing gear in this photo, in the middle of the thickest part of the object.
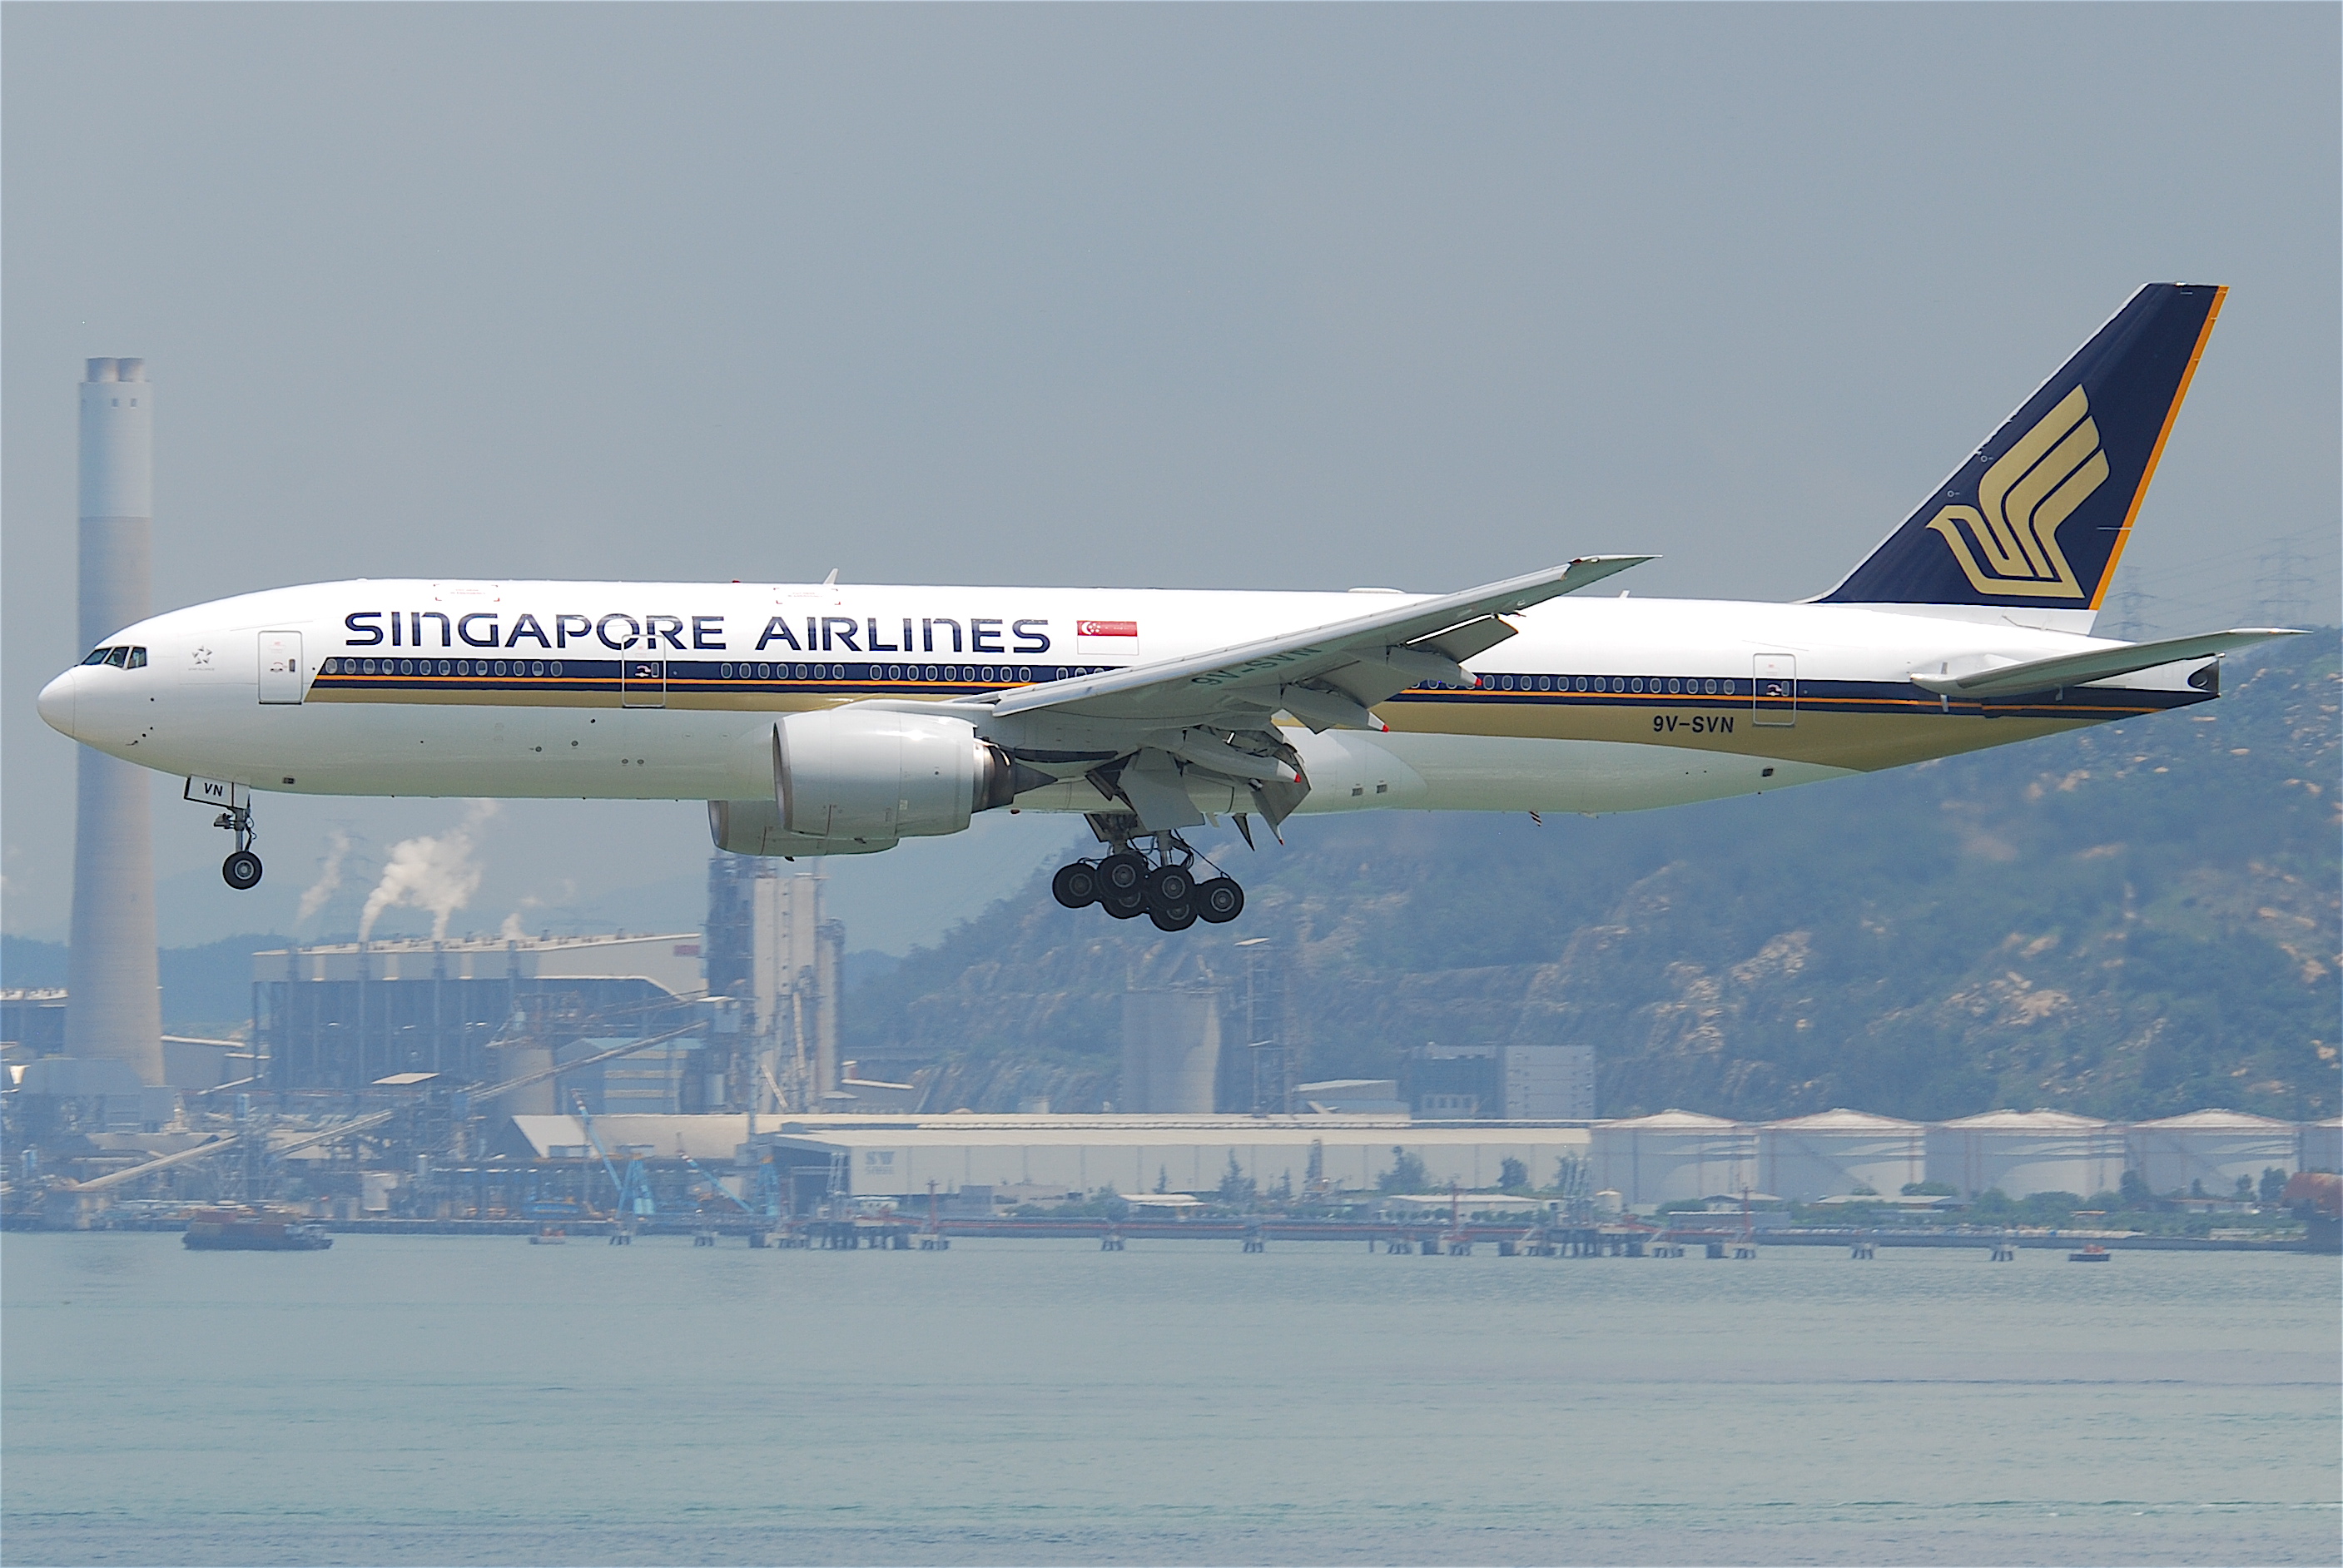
(1168, 893)
(241, 870)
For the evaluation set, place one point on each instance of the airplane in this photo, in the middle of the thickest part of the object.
(834, 719)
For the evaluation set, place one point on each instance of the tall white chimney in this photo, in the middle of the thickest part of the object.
(114, 987)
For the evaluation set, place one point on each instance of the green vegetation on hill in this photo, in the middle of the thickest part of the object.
(2127, 921)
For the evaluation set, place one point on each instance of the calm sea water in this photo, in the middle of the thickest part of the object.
(432, 1399)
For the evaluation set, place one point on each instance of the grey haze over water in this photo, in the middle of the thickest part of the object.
(424, 1399)
(1305, 296)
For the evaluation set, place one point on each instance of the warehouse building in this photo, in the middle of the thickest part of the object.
(2208, 1152)
(898, 1157)
(2021, 1153)
(1836, 1153)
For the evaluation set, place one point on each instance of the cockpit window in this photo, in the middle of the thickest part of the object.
(118, 657)
(123, 658)
(97, 656)
(137, 659)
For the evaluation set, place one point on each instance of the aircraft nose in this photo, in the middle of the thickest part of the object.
(56, 702)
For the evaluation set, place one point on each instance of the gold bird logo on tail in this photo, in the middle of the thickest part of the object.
(2008, 542)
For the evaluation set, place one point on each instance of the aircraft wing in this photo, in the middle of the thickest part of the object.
(1141, 735)
(2099, 664)
(1326, 676)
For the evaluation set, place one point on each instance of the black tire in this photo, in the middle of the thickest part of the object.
(1076, 886)
(1123, 873)
(1169, 886)
(1123, 906)
(241, 870)
(1173, 917)
(1220, 900)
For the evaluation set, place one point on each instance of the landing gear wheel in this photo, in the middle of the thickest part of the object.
(1173, 917)
(1220, 900)
(1123, 906)
(1076, 886)
(241, 870)
(1122, 873)
(1169, 886)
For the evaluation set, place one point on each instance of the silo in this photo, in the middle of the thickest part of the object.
(2321, 1145)
(520, 1058)
(2210, 1149)
(115, 1006)
(1171, 1052)
(1674, 1154)
(2026, 1151)
(1839, 1152)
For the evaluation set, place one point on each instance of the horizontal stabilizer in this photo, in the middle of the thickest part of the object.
(2099, 664)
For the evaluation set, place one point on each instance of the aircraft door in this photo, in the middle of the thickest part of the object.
(1773, 692)
(282, 678)
(642, 683)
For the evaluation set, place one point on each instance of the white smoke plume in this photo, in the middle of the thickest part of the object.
(330, 877)
(512, 931)
(435, 873)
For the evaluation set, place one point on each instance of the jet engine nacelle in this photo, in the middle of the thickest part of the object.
(850, 781)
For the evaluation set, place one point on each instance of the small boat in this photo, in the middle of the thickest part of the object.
(2092, 1252)
(250, 1230)
(549, 1236)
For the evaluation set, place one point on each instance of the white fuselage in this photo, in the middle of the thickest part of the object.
(669, 690)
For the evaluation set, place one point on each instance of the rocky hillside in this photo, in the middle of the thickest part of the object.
(2127, 922)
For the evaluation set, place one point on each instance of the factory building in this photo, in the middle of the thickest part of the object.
(1674, 1154)
(669, 1078)
(2208, 1152)
(57, 1096)
(1834, 1153)
(31, 1023)
(770, 949)
(1501, 1082)
(342, 1016)
(897, 1158)
(2021, 1153)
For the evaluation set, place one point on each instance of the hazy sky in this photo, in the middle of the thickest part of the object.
(1211, 295)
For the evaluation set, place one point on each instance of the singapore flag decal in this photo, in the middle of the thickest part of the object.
(1108, 639)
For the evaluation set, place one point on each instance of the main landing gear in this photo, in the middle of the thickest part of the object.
(1160, 884)
(241, 870)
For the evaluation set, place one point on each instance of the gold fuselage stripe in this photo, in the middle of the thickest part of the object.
(1860, 725)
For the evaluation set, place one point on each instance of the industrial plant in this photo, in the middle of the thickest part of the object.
(693, 1079)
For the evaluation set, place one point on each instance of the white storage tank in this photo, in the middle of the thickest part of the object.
(1674, 1154)
(1170, 1052)
(1834, 1153)
(2321, 1145)
(2022, 1152)
(2210, 1149)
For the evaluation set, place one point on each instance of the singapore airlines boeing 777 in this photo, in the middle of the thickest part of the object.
(828, 718)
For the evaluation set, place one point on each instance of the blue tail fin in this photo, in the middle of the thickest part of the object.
(2038, 516)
